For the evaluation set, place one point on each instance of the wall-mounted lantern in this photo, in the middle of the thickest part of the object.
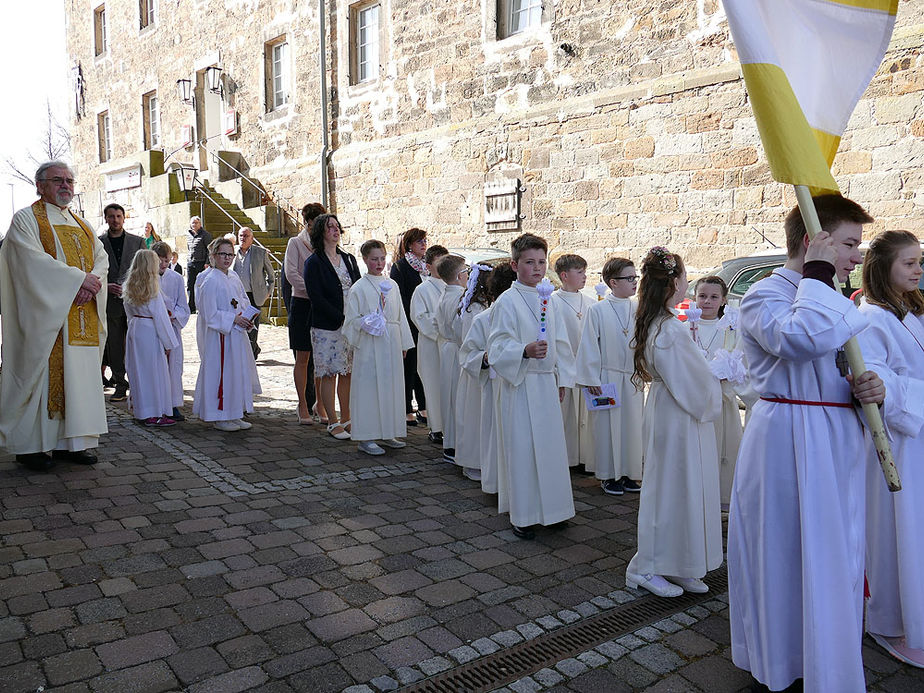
(184, 89)
(213, 79)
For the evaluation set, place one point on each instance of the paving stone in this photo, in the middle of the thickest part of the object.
(598, 680)
(363, 666)
(464, 654)
(630, 642)
(137, 650)
(298, 661)
(648, 634)
(116, 586)
(232, 682)
(691, 644)
(439, 639)
(94, 634)
(100, 610)
(340, 625)
(47, 621)
(444, 593)
(154, 598)
(434, 665)
(403, 652)
(207, 631)
(571, 667)
(24, 676)
(204, 569)
(324, 679)
(360, 689)
(657, 658)
(153, 677)
(525, 685)
(612, 650)
(549, 622)
(593, 659)
(408, 675)
(71, 666)
(507, 638)
(673, 684)
(568, 616)
(271, 615)
(10, 653)
(485, 646)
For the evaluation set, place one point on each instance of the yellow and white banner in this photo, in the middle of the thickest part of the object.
(806, 63)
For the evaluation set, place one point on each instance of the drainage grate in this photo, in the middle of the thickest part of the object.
(512, 663)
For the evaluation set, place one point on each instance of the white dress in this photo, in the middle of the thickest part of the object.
(796, 523)
(679, 518)
(424, 303)
(450, 331)
(149, 335)
(474, 347)
(468, 397)
(573, 309)
(377, 391)
(173, 289)
(227, 378)
(605, 357)
(895, 521)
(533, 482)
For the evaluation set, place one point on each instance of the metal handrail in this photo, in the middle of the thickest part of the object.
(279, 268)
(286, 206)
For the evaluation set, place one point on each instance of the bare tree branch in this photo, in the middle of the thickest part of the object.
(54, 143)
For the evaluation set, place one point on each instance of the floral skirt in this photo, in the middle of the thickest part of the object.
(332, 353)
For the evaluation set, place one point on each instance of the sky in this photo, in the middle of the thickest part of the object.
(33, 54)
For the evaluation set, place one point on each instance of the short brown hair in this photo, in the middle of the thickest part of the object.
(434, 252)
(449, 266)
(569, 261)
(311, 211)
(162, 249)
(412, 235)
(877, 273)
(613, 267)
(832, 211)
(528, 241)
(369, 246)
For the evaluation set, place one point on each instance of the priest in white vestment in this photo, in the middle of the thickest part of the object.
(796, 523)
(54, 329)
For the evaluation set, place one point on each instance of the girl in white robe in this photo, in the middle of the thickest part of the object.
(452, 270)
(173, 289)
(471, 376)
(715, 332)
(424, 303)
(227, 379)
(605, 357)
(679, 520)
(894, 347)
(376, 327)
(148, 340)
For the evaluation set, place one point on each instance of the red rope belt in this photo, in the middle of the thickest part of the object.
(807, 403)
(221, 377)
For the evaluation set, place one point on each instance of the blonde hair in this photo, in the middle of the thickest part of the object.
(143, 281)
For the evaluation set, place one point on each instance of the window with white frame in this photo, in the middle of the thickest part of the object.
(100, 38)
(147, 12)
(278, 69)
(516, 16)
(151, 116)
(103, 132)
(365, 44)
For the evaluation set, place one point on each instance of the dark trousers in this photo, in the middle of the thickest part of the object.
(114, 354)
(412, 384)
(256, 326)
(192, 271)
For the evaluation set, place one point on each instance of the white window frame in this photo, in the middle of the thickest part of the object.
(279, 74)
(151, 106)
(365, 42)
(104, 136)
(100, 35)
(147, 11)
(517, 16)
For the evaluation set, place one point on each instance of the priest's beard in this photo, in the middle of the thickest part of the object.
(63, 199)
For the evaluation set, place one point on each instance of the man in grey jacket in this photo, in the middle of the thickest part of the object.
(255, 269)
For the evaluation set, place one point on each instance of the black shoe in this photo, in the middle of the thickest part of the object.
(120, 394)
(581, 469)
(630, 486)
(78, 457)
(612, 487)
(523, 532)
(108, 383)
(421, 419)
(435, 437)
(36, 461)
(177, 415)
(449, 455)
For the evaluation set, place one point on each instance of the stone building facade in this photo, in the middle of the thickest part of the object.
(606, 127)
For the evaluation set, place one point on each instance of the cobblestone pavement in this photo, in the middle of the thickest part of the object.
(279, 559)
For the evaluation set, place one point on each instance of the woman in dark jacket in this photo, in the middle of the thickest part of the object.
(329, 274)
(408, 272)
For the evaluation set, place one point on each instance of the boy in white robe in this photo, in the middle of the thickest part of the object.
(424, 303)
(227, 379)
(375, 326)
(173, 288)
(795, 531)
(894, 346)
(534, 485)
(451, 270)
(573, 305)
(604, 357)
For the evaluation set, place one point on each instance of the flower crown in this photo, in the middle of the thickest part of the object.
(664, 258)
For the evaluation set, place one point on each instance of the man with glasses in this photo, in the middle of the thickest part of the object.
(121, 248)
(198, 244)
(52, 269)
(255, 269)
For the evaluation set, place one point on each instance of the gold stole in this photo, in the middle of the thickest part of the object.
(82, 321)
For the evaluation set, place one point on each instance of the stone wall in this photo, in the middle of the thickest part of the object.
(636, 133)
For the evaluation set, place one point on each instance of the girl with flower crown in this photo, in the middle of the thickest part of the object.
(679, 521)
(717, 335)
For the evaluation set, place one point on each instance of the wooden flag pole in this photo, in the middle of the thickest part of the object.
(854, 358)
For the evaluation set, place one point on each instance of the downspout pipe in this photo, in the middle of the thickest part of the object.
(325, 139)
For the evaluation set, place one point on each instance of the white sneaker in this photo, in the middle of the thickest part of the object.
(655, 584)
(394, 443)
(243, 425)
(472, 473)
(370, 448)
(693, 585)
(227, 426)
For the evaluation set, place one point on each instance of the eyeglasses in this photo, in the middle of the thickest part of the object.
(224, 254)
(57, 180)
(632, 279)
